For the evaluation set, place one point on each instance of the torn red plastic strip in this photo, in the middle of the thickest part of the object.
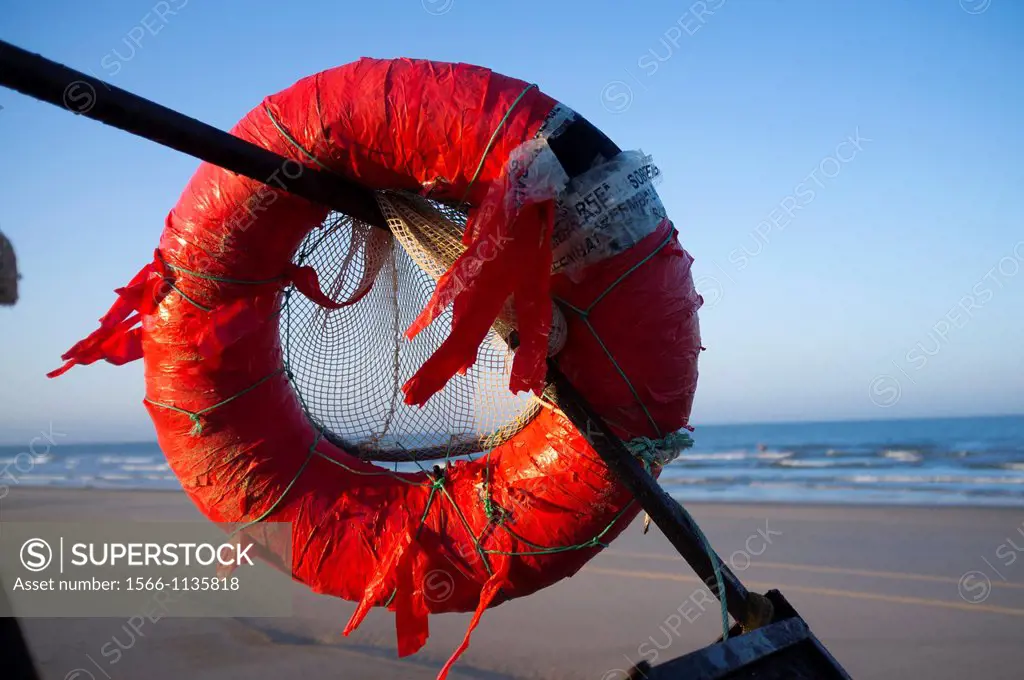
(488, 593)
(532, 301)
(117, 340)
(382, 582)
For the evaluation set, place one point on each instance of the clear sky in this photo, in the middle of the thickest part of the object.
(847, 175)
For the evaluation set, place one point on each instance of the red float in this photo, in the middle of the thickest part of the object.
(233, 429)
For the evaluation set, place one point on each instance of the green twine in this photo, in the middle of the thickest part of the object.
(436, 484)
(298, 473)
(469, 530)
(715, 564)
(479, 168)
(495, 513)
(659, 452)
(490, 143)
(284, 133)
(194, 416)
(585, 315)
(195, 303)
(594, 542)
(219, 279)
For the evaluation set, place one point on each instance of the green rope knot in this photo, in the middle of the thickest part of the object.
(659, 452)
(494, 512)
(437, 480)
(197, 424)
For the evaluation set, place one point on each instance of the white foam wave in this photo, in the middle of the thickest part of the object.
(773, 455)
(154, 467)
(110, 459)
(932, 479)
(22, 460)
(29, 480)
(722, 455)
(805, 463)
(736, 455)
(903, 454)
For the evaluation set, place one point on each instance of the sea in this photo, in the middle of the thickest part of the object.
(961, 461)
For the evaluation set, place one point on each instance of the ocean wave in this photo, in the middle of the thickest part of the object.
(881, 462)
(805, 463)
(932, 479)
(837, 463)
(773, 455)
(153, 467)
(41, 480)
(907, 455)
(110, 459)
(19, 461)
(723, 455)
(734, 455)
(700, 480)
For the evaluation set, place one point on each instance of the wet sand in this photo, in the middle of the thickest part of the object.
(882, 587)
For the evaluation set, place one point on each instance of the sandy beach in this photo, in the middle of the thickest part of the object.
(880, 586)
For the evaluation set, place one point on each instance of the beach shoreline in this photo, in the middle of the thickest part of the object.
(967, 462)
(879, 585)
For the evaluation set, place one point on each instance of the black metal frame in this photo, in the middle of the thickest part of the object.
(54, 83)
(786, 649)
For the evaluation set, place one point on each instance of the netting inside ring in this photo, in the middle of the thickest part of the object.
(348, 365)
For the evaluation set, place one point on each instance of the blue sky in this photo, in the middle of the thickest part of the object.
(873, 278)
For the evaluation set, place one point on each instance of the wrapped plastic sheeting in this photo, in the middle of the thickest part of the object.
(534, 510)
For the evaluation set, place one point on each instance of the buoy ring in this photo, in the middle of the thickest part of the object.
(532, 512)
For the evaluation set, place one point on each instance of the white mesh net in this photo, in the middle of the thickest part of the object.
(349, 364)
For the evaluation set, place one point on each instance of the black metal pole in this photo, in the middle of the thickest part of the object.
(666, 512)
(51, 82)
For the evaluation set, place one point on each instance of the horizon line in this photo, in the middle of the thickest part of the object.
(714, 424)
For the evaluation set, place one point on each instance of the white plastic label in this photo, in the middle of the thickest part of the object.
(535, 174)
(606, 211)
(557, 120)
